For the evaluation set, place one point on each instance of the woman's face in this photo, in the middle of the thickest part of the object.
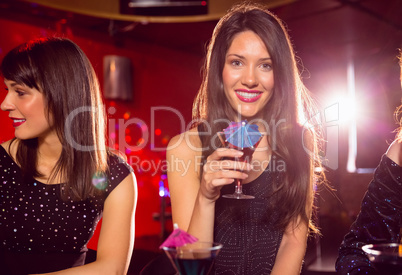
(26, 107)
(248, 76)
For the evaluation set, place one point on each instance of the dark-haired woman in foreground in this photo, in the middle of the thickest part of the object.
(58, 178)
(250, 74)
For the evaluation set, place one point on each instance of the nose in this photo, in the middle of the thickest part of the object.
(249, 77)
(6, 105)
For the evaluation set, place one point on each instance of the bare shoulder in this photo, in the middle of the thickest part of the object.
(394, 151)
(183, 155)
(11, 147)
(186, 144)
(6, 144)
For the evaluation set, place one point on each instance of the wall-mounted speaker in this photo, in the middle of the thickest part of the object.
(117, 77)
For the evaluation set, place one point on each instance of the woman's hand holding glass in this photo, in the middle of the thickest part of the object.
(220, 169)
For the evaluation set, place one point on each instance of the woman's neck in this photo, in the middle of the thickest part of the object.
(49, 148)
(49, 151)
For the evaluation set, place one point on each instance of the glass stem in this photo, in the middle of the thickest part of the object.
(238, 187)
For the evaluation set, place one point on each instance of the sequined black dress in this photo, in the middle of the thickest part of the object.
(246, 227)
(379, 220)
(39, 232)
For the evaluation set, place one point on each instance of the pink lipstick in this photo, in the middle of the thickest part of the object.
(248, 96)
(17, 121)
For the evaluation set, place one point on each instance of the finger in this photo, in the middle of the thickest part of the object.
(235, 165)
(222, 182)
(212, 166)
(232, 174)
(224, 152)
(229, 175)
(217, 165)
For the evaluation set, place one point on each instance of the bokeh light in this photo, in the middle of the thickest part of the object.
(140, 141)
(165, 140)
(99, 180)
(126, 115)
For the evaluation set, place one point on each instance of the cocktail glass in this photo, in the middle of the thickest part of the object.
(193, 259)
(386, 258)
(246, 157)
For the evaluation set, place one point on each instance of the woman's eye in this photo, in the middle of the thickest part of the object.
(266, 66)
(236, 63)
(19, 93)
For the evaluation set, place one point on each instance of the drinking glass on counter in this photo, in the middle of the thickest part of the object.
(386, 258)
(193, 258)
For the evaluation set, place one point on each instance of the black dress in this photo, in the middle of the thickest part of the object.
(39, 232)
(379, 220)
(246, 228)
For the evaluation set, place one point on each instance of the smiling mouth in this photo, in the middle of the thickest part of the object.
(247, 96)
(18, 122)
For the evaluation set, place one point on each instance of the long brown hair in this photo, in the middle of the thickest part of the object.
(290, 99)
(59, 69)
(398, 111)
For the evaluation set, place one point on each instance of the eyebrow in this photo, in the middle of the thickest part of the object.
(242, 57)
(13, 83)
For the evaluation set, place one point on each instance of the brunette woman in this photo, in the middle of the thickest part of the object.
(250, 74)
(58, 178)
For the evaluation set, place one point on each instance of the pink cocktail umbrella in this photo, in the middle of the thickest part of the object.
(178, 238)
